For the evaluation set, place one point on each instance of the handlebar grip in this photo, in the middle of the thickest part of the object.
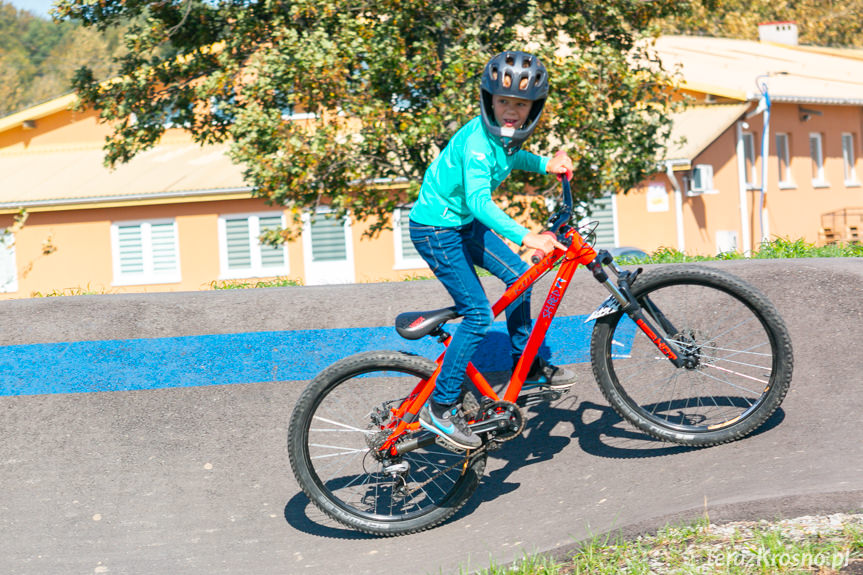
(568, 174)
(539, 254)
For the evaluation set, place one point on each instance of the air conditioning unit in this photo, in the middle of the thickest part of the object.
(701, 181)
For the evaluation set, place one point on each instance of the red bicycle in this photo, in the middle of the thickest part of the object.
(359, 453)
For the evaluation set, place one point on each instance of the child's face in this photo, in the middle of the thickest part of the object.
(510, 112)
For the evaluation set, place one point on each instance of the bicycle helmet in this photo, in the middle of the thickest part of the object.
(518, 75)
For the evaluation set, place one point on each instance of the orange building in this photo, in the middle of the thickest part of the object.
(180, 217)
(716, 193)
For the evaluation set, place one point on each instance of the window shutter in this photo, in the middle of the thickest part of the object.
(163, 242)
(145, 252)
(239, 246)
(328, 240)
(271, 256)
(602, 212)
(131, 246)
(408, 249)
(848, 157)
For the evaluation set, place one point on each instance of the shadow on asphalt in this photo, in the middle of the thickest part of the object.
(597, 428)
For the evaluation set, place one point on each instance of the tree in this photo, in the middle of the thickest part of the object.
(38, 57)
(820, 22)
(388, 82)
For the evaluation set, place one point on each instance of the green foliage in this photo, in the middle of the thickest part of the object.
(820, 23)
(252, 283)
(388, 82)
(72, 291)
(775, 249)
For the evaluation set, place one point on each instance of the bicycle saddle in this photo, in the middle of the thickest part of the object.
(417, 324)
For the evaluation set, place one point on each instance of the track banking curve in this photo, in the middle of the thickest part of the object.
(146, 433)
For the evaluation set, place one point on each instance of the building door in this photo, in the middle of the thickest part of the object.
(327, 249)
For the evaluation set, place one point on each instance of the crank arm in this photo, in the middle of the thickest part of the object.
(494, 423)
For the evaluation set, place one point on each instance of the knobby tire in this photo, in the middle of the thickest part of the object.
(334, 427)
(744, 353)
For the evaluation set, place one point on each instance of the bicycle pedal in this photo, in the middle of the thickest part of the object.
(470, 406)
(542, 396)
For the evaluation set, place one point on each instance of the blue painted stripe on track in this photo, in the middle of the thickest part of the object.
(134, 364)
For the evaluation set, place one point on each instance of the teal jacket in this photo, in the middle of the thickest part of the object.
(457, 186)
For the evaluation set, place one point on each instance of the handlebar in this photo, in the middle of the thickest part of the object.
(559, 219)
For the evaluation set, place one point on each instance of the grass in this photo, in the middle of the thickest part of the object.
(251, 283)
(72, 291)
(777, 249)
(822, 546)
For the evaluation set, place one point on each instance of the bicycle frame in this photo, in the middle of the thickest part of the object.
(578, 253)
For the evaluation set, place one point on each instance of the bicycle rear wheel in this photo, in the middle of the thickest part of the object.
(338, 423)
(742, 349)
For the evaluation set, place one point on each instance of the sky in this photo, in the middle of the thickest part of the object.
(37, 7)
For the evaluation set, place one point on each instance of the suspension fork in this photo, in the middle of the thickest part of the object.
(622, 293)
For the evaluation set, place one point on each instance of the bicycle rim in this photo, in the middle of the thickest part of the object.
(743, 359)
(345, 474)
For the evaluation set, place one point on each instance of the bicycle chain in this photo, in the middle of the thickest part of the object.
(469, 454)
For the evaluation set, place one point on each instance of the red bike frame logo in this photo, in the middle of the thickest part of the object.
(553, 299)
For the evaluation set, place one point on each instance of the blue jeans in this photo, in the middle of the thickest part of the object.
(451, 253)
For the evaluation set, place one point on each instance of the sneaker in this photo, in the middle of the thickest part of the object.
(543, 374)
(448, 423)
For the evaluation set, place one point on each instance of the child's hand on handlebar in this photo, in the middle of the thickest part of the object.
(560, 164)
(545, 242)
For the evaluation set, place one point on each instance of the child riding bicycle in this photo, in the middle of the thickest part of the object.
(454, 223)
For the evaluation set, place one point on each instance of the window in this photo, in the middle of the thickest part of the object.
(285, 102)
(328, 251)
(816, 152)
(145, 252)
(702, 180)
(174, 117)
(848, 158)
(783, 154)
(8, 268)
(749, 159)
(406, 254)
(241, 253)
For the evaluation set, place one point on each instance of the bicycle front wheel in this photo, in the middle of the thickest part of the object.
(741, 347)
(337, 426)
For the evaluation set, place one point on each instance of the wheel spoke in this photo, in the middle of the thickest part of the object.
(345, 425)
(342, 450)
(732, 369)
(344, 467)
(737, 373)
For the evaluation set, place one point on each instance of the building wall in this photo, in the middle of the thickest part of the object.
(63, 128)
(793, 212)
(648, 228)
(70, 251)
(798, 211)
